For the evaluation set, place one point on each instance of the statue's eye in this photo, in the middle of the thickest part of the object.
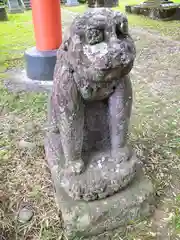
(94, 36)
(122, 30)
(118, 31)
(124, 27)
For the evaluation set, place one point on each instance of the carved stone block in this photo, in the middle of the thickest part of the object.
(92, 220)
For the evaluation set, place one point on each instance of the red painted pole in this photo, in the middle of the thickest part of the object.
(47, 24)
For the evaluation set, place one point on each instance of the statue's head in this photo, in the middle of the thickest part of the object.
(99, 40)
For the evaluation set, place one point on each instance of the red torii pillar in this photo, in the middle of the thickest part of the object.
(40, 60)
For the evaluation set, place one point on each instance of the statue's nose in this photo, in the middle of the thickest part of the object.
(115, 43)
(113, 38)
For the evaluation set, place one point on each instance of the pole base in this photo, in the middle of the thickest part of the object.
(40, 64)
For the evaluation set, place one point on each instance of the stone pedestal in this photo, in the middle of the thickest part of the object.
(87, 219)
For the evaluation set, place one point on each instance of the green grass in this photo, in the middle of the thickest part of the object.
(16, 35)
(176, 216)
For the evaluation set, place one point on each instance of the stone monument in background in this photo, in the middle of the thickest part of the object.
(156, 9)
(3, 13)
(71, 3)
(14, 6)
(102, 3)
(99, 184)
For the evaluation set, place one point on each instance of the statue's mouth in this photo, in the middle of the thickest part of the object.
(108, 64)
(110, 69)
(107, 75)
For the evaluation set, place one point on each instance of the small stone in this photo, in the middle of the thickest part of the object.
(26, 144)
(99, 165)
(25, 215)
(103, 159)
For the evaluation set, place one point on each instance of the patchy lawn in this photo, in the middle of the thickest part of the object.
(155, 135)
(16, 35)
(21, 118)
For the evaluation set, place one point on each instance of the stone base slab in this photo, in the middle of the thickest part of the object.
(88, 219)
(18, 82)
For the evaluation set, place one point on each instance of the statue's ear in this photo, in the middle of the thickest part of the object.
(66, 40)
(65, 45)
(124, 27)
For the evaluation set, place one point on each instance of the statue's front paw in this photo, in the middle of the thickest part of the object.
(122, 154)
(75, 167)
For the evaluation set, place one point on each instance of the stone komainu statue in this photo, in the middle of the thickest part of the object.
(90, 107)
